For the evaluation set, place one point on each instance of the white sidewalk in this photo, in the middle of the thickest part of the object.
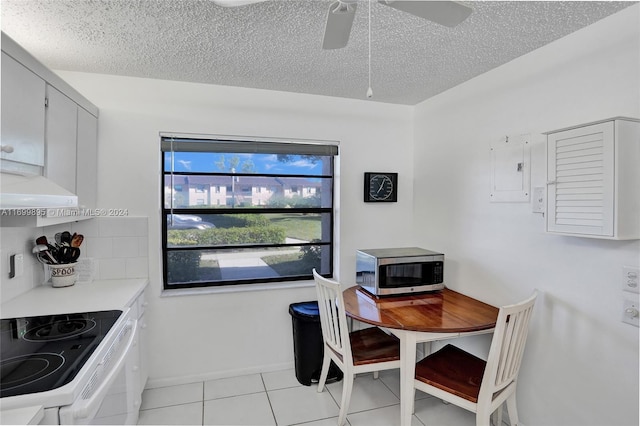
(247, 264)
(236, 268)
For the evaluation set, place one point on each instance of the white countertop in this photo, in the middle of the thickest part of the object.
(100, 295)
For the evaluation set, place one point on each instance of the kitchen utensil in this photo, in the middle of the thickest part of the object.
(76, 240)
(65, 238)
(68, 254)
(43, 241)
(41, 249)
(75, 254)
(58, 238)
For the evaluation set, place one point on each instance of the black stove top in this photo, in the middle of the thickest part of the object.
(45, 352)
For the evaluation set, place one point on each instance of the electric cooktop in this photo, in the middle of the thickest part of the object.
(45, 352)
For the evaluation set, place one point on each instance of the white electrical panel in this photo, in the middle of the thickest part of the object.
(511, 169)
(538, 202)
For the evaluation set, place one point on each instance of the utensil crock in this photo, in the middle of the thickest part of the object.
(63, 275)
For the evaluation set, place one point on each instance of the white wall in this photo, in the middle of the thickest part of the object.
(19, 241)
(581, 365)
(215, 335)
(117, 245)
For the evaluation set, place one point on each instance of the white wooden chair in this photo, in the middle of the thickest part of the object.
(362, 351)
(467, 381)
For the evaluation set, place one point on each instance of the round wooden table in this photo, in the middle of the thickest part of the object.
(419, 318)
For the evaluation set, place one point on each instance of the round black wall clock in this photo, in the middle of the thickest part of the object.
(380, 187)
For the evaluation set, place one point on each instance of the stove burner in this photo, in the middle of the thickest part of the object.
(60, 329)
(24, 369)
(45, 352)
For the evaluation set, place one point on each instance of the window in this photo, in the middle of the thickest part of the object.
(258, 229)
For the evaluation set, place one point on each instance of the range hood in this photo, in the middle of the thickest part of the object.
(20, 191)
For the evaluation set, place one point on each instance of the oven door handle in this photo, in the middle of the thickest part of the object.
(86, 408)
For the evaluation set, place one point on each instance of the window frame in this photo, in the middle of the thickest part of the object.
(260, 209)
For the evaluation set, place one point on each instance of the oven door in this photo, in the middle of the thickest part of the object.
(108, 397)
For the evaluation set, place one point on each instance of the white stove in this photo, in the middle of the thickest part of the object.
(73, 365)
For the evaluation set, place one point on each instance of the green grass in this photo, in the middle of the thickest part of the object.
(299, 226)
(288, 264)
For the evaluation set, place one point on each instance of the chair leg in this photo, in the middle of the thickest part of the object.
(413, 401)
(498, 416)
(347, 387)
(326, 362)
(483, 416)
(512, 410)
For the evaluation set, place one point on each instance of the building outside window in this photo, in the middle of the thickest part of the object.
(259, 229)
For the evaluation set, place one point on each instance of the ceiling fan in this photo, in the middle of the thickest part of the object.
(341, 13)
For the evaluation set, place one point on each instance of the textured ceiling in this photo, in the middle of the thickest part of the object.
(276, 45)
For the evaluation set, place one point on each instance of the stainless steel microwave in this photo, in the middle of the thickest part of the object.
(394, 271)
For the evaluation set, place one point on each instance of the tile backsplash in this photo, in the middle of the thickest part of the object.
(118, 245)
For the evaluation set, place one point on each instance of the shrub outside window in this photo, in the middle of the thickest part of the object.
(232, 213)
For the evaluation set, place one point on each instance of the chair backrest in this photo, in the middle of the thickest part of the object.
(507, 347)
(333, 318)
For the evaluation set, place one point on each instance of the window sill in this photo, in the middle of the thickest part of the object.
(240, 288)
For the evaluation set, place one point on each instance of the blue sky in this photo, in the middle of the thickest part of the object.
(262, 163)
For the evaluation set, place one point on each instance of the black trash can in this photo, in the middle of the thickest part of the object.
(308, 347)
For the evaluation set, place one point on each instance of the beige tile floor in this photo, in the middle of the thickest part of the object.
(278, 399)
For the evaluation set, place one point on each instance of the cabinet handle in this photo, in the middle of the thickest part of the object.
(552, 182)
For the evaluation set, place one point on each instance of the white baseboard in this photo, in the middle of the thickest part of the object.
(181, 380)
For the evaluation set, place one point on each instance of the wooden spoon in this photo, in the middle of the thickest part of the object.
(76, 240)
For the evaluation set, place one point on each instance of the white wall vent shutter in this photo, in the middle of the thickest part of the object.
(580, 180)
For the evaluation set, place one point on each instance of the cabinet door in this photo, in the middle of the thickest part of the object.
(87, 170)
(23, 95)
(61, 129)
(580, 171)
(133, 375)
(144, 339)
(144, 351)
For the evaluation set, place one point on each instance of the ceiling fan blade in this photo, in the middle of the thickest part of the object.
(447, 13)
(338, 27)
(235, 3)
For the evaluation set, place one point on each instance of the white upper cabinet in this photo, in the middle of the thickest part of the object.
(51, 130)
(71, 147)
(87, 160)
(61, 141)
(593, 180)
(23, 98)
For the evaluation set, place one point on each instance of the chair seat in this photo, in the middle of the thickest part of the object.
(373, 345)
(453, 370)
